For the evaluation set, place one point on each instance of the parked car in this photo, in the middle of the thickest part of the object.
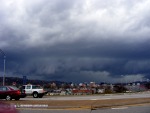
(7, 108)
(10, 92)
(35, 90)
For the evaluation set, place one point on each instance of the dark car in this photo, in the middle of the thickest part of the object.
(10, 92)
(7, 108)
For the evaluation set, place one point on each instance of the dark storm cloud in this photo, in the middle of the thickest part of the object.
(76, 40)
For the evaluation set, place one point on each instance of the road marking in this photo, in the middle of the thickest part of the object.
(100, 99)
(120, 108)
(31, 106)
(93, 99)
(105, 98)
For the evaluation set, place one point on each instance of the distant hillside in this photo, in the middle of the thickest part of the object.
(19, 81)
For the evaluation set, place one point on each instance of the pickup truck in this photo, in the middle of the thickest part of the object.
(35, 90)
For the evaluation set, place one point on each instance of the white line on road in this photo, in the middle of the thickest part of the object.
(93, 99)
(120, 108)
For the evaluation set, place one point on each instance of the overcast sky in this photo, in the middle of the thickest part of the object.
(76, 40)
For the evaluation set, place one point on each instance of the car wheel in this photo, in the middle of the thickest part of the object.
(8, 97)
(35, 95)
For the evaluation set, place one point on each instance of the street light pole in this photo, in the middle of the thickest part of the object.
(4, 66)
(4, 71)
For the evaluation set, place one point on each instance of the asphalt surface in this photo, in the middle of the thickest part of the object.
(92, 97)
(44, 108)
(83, 102)
(122, 109)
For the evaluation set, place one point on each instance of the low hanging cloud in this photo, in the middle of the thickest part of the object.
(133, 78)
(86, 40)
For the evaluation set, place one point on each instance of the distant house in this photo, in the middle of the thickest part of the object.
(82, 91)
(136, 88)
(99, 91)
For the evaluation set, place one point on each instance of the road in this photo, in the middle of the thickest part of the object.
(97, 97)
(123, 109)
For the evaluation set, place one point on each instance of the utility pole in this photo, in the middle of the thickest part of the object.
(4, 56)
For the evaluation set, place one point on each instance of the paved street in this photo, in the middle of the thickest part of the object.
(124, 109)
(97, 97)
(93, 97)
(135, 109)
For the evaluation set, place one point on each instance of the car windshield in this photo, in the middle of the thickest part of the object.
(3, 88)
(13, 87)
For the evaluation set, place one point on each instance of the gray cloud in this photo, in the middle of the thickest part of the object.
(76, 40)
